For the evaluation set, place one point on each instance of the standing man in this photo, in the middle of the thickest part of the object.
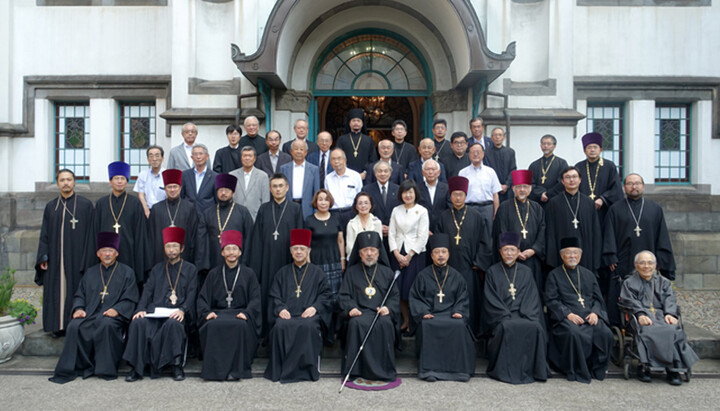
(384, 193)
(484, 185)
(301, 131)
(253, 185)
(149, 184)
(101, 309)
(302, 177)
(477, 129)
(600, 179)
(502, 160)
(343, 183)
(385, 149)
(65, 240)
(123, 214)
(300, 311)
(442, 146)
(273, 158)
(359, 148)
(631, 226)
(459, 158)
(251, 137)
(271, 233)
(404, 152)
(227, 158)
(180, 156)
(434, 194)
(426, 149)
(321, 158)
(546, 172)
(198, 183)
(172, 212)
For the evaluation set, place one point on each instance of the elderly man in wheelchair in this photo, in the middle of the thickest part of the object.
(653, 318)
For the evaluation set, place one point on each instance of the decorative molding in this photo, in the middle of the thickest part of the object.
(209, 116)
(535, 88)
(533, 117)
(646, 3)
(214, 87)
(448, 101)
(293, 100)
(101, 2)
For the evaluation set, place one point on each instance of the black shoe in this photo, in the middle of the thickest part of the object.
(133, 376)
(177, 373)
(644, 374)
(673, 378)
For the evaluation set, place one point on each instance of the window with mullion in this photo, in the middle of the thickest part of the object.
(607, 119)
(72, 132)
(137, 133)
(672, 143)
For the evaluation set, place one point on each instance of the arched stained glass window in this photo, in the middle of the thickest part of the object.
(371, 62)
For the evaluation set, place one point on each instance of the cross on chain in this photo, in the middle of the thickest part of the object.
(637, 230)
(298, 291)
(229, 300)
(103, 293)
(575, 222)
(457, 238)
(524, 233)
(275, 235)
(440, 295)
(117, 226)
(512, 290)
(73, 222)
(581, 301)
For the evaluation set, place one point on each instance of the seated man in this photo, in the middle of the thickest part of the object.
(102, 307)
(580, 336)
(512, 314)
(439, 304)
(300, 309)
(661, 341)
(366, 281)
(159, 341)
(228, 308)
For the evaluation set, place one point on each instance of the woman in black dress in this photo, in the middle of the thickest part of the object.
(328, 245)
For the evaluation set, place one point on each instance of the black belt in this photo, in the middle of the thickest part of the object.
(298, 200)
(481, 204)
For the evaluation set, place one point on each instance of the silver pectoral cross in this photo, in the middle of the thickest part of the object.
(73, 222)
(524, 233)
(117, 226)
(512, 290)
(298, 291)
(575, 222)
(229, 300)
(637, 230)
(581, 301)
(275, 235)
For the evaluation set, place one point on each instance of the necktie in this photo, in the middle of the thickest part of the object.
(383, 192)
(322, 170)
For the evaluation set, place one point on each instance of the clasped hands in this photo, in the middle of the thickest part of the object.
(591, 319)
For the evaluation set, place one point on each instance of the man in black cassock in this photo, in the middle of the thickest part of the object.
(366, 282)
(404, 152)
(102, 307)
(631, 226)
(572, 214)
(502, 160)
(512, 314)
(226, 215)
(62, 252)
(580, 336)
(123, 214)
(546, 172)
(227, 158)
(522, 215)
(661, 341)
(228, 310)
(359, 148)
(300, 309)
(439, 304)
(156, 342)
(600, 178)
(271, 234)
(458, 158)
(173, 211)
(470, 245)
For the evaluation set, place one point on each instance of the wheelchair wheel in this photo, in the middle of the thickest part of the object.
(626, 368)
(617, 355)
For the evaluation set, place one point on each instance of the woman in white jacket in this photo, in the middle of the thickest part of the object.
(364, 220)
(407, 236)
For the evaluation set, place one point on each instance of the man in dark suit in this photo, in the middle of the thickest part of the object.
(434, 194)
(385, 149)
(271, 160)
(301, 131)
(477, 129)
(302, 177)
(384, 203)
(321, 158)
(202, 196)
(426, 148)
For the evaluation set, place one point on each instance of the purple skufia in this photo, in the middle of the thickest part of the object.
(509, 238)
(108, 239)
(225, 181)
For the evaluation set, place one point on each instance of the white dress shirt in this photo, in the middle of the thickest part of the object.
(344, 188)
(199, 178)
(188, 151)
(247, 178)
(483, 183)
(298, 177)
(409, 228)
(151, 185)
(431, 190)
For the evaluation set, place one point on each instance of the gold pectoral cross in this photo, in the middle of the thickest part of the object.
(173, 298)
(512, 290)
(441, 295)
(298, 291)
(542, 180)
(220, 238)
(581, 301)
(103, 293)
(524, 233)
(355, 153)
(117, 227)
(73, 222)
(592, 196)
(637, 230)
(457, 238)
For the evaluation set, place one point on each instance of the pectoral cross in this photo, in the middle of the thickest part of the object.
(298, 291)
(592, 196)
(652, 309)
(524, 233)
(441, 295)
(219, 238)
(575, 222)
(542, 180)
(173, 298)
(637, 230)
(229, 300)
(103, 293)
(457, 238)
(581, 301)
(512, 290)
(355, 153)
(73, 222)
(117, 227)
(275, 235)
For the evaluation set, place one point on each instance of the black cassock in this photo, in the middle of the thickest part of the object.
(507, 220)
(404, 153)
(134, 246)
(621, 243)
(207, 254)
(296, 344)
(659, 345)
(581, 352)
(377, 360)
(559, 225)
(266, 255)
(227, 159)
(157, 342)
(94, 344)
(60, 242)
(453, 164)
(607, 185)
(184, 215)
(257, 142)
(552, 185)
(365, 150)
(502, 160)
(228, 343)
(473, 250)
(517, 345)
(445, 345)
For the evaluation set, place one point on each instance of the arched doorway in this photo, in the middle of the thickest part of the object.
(379, 71)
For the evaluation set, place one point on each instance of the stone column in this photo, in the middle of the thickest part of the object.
(640, 139)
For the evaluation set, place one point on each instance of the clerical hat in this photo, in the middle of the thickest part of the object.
(108, 239)
(172, 176)
(231, 237)
(173, 235)
(592, 138)
(119, 168)
(225, 181)
(356, 113)
(368, 239)
(521, 177)
(509, 238)
(300, 236)
(568, 242)
(458, 183)
(439, 240)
